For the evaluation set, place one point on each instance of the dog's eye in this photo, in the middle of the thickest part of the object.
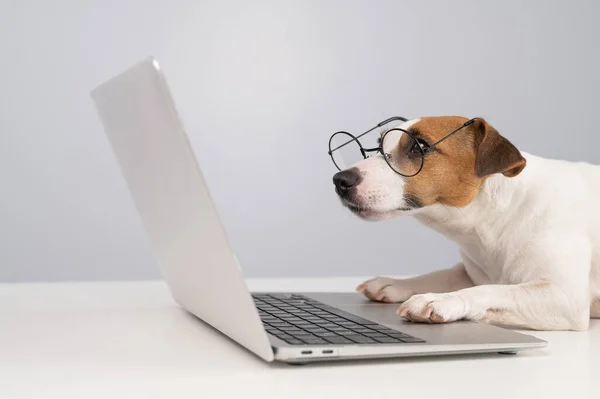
(418, 146)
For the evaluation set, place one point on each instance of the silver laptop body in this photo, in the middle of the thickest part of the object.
(201, 269)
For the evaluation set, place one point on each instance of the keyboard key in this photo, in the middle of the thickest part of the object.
(348, 324)
(282, 327)
(316, 331)
(333, 317)
(281, 296)
(327, 334)
(313, 318)
(347, 332)
(364, 331)
(290, 330)
(338, 340)
(301, 334)
(293, 341)
(396, 334)
(291, 318)
(338, 329)
(375, 334)
(359, 339)
(382, 328)
(293, 302)
(280, 324)
(327, 325)
(303, 326)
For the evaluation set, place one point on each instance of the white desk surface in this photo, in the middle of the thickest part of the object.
(129, 340)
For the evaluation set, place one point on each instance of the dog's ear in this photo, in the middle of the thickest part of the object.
(494, 153)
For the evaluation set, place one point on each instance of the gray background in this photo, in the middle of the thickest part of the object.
(261, 86)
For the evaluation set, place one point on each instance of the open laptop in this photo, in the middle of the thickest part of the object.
(202, 271)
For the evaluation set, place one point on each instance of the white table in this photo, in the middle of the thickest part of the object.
(129, 340)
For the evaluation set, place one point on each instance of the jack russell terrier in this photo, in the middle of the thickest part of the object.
(528, 228)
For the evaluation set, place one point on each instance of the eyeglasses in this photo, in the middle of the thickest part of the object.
(402, 151)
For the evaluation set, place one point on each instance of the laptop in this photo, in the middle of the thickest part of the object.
(201, 269)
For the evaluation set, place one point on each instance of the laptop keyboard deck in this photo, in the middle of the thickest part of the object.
(299, 320)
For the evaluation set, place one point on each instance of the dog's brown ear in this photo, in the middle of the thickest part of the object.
(495, 154)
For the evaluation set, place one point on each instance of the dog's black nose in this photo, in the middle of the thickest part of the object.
(345, 180)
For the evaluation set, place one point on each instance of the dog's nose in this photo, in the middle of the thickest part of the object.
(345, 180)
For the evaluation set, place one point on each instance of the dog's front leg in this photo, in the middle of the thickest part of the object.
(554, 294)
(393, 290)
(539, 305)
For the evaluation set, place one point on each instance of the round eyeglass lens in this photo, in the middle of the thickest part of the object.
(402, 152)
(345, 150)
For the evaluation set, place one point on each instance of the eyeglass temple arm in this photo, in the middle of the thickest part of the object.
(385, 122)
(467, 123)
(393, 118)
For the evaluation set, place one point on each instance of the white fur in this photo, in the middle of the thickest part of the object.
(530, 248)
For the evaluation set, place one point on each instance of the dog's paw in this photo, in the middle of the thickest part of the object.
(433, 308)
(383, 289)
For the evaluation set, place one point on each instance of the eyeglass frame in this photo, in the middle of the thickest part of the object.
(379, 149)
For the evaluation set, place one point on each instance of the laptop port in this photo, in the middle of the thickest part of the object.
(327, 352)
(306, 352)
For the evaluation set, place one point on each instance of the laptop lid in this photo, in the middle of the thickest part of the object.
(170, 194)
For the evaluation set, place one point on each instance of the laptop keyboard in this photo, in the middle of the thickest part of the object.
(299, 320)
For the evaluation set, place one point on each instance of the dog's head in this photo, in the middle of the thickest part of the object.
(452, 173)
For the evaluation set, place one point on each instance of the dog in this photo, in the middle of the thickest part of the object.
(527, 227)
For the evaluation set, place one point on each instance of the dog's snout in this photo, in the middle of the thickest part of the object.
(346, 179)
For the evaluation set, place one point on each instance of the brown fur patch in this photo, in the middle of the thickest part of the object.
(448, 174)
(454, 171)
